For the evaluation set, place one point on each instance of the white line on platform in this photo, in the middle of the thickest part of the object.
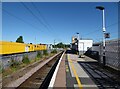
(51, 84)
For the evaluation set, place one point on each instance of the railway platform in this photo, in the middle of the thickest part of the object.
(71, 75)
(82, 73)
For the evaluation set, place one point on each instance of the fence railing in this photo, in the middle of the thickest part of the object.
(111, 52)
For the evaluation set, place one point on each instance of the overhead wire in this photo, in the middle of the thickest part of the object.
(40, 14)
(21, 19)
(100, 30)
(35, 16)
(43, 18)
(106, 27)
(112, 24)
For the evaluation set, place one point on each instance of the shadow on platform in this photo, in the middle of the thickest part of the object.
(71, 52)
(102, 76)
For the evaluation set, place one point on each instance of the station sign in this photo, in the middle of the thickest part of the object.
(107, 35)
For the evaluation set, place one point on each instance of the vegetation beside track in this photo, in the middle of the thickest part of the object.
(15, 65)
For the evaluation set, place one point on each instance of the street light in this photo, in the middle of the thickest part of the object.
(104, 30)
(54, 44)
(78, 42)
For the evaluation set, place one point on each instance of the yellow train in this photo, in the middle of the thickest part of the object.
(13, 47)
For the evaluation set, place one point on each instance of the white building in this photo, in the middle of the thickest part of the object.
(82, 45)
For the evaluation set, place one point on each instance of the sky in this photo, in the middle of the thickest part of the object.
(44, 22)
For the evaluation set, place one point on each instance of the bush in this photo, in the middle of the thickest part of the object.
(45, 52)
(39, 55)
(14, 63)
(26, 60)
(54, 51)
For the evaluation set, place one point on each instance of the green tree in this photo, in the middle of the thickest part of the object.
(67, 45)
(20, 39)
(61, 45)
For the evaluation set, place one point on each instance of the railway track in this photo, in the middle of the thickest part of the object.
(42, 77)
(103, 78)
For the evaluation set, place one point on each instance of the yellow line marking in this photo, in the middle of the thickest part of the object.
(75, 73)
(67, 70)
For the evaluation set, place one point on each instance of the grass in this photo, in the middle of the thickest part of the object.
(39, 55)
(15, 66)
(25, 59)
(54, 51)
(45, 52)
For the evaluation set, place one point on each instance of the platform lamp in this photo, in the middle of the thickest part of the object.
(78, 43)
(104, 30)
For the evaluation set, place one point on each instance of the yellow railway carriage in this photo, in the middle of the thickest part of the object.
(45, 47)
(13, 47)
(40, 47)
(36, 47)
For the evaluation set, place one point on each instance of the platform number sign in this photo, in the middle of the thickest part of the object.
(107, 35)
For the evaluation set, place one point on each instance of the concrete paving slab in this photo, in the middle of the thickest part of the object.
(86, 86)
(86, 59)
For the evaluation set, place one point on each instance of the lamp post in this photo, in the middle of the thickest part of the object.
(78, 43)
(54, 45)
(104, 30)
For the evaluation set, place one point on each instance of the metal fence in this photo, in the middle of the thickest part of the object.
(112, 53)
